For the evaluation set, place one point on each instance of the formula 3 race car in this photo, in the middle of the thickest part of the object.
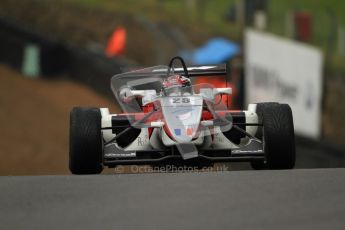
(168, 120)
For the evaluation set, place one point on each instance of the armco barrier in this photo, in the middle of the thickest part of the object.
(94, 69)
(56, 58)
(14, 39)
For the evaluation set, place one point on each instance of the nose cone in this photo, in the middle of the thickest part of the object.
(182, 119)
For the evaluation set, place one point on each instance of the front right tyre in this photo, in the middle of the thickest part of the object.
(85, 141)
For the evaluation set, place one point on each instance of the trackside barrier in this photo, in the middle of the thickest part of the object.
(36, 55)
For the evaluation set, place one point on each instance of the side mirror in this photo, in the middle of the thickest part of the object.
(217, 91)
(125, 94)
(207, 94)
(210, 93)
(149, 96)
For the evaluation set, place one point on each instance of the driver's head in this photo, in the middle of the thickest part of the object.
(176, 80)
(176, 84)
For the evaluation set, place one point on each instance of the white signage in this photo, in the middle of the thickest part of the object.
(284, 71)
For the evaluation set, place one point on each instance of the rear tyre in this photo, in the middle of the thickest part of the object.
(85, 155)
(278, 136)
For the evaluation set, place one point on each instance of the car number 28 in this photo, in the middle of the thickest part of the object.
(178, 100)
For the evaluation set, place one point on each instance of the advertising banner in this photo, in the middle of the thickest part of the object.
(285, 71)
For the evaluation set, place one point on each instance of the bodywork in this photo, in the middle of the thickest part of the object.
(189, 124)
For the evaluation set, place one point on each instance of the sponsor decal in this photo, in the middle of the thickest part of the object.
(143, 141)
(124, 154)
(247, 151)
(177, 132)
(183, 114)
(189, 131)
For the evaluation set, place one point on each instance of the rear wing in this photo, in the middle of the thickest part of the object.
(199, 70)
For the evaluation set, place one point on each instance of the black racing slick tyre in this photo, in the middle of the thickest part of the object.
(278, 136)
(85, 141)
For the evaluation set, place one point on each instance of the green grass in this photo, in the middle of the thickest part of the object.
(321, 11)
(210, 15)
(324, 36)
(208, 18)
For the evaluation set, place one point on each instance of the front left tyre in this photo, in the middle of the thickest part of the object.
(85, 141)
(277, 135)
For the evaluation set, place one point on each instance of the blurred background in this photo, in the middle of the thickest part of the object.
(60, 53)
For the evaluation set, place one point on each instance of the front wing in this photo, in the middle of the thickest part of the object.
(141, 152)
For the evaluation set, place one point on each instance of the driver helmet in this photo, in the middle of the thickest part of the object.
(177, 85)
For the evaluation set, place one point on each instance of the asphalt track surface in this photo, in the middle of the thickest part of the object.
(292, 199)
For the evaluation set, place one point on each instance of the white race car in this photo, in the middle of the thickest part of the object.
(167, 119)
